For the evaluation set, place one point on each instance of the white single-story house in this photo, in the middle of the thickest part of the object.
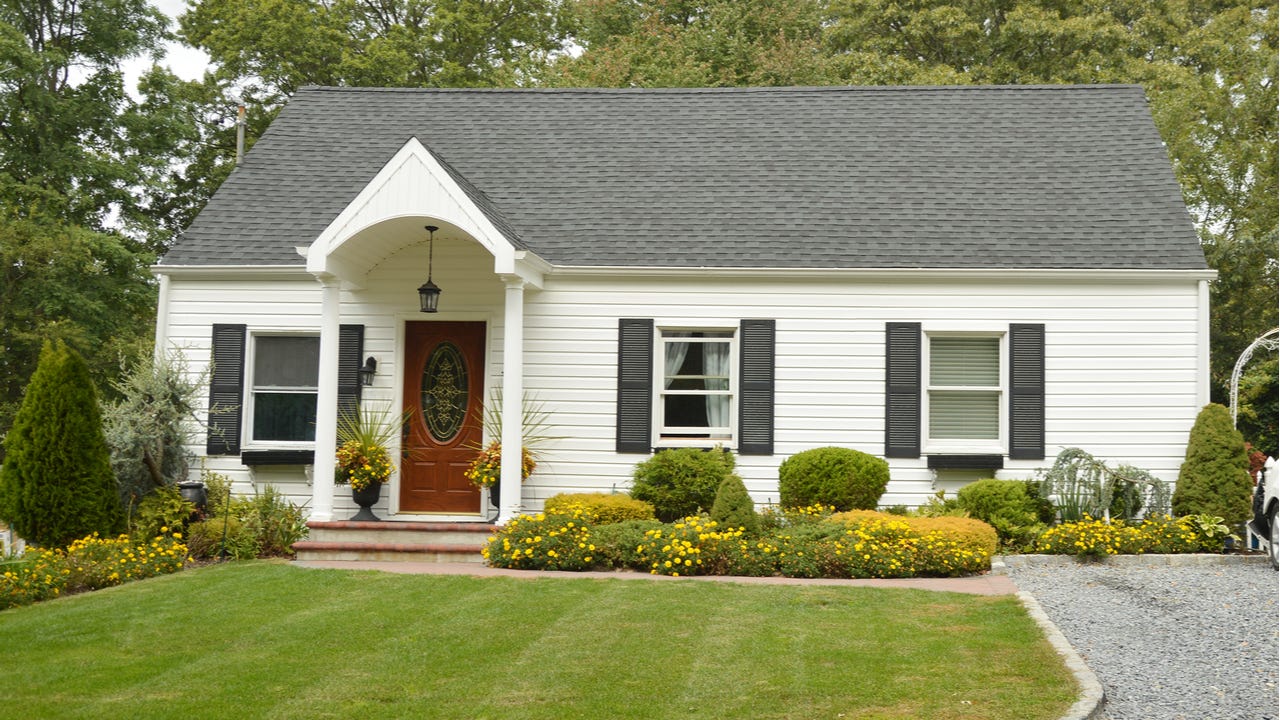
(962, 280)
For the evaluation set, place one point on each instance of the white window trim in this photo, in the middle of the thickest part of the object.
(999, 445)
(659, 389)
(247, 442)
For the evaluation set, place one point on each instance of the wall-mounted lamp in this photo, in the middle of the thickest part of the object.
(368, 371)
(429, 292)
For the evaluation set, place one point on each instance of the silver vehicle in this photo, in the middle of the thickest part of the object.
(1266, 507)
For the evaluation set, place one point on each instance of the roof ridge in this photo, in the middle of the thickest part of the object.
(722, 90)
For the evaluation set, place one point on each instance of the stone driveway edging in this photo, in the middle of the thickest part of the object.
(1174, 560)
(1088, 706)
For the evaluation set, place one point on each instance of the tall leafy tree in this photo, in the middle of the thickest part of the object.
(56, 484)
(85, 182)
(64, 282)
(76, 146)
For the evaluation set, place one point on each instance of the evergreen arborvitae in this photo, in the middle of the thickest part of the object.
(1214, 478)
(733, 506)
(56, 484)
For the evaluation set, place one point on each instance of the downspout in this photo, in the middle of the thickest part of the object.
(1202, 346)
(162, 316)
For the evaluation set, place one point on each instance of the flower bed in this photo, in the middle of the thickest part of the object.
(1155, 534)
(804, 543)
(88, 564)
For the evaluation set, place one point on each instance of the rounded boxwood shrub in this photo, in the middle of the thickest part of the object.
(1004, 505)
(679, 482)
(600, 508)
(733, 506)
(843, 478)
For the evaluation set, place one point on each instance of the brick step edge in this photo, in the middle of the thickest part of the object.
(408, 548)
(477, 528)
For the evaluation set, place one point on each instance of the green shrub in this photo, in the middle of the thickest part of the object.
(1046, 513)
(275, 522)
(939, 505)
(600, 508)
(1214, 477)
(151, 424)
(841, 477)
(733, 506)
(1005, 506)
(775, 518)
(618, 545)
(681, 481)
(205, 539)
(160, 512)
(56, 484)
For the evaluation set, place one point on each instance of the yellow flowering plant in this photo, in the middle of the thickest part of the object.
(486, 469)
(363, 436)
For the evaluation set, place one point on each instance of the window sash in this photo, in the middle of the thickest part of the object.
(682, 395)
(965, 389)
(283, 389)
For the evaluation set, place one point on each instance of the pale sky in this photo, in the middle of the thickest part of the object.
(187, 63)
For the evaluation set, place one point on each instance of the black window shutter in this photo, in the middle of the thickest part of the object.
(755, 382)
(635, 385)
(1026, 391)
(226, 390)
(350, 350)
(902, 390)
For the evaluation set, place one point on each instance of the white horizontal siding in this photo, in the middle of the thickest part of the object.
(1121, 364)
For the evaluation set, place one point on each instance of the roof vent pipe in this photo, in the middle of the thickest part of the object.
(239, 134)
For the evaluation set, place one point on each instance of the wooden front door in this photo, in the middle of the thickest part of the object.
(443, 385)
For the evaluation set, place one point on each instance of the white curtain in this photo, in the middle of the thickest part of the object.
(715, 363)
(676, 352)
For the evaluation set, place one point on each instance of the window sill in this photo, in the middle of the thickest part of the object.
(957, 461)
(278, 457)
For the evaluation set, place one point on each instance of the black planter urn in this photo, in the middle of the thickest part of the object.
(194, 492)
(366, 498)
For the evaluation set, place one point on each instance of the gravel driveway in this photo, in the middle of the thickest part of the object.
(1167, 642)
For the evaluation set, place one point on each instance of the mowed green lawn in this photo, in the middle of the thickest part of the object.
(272, 640)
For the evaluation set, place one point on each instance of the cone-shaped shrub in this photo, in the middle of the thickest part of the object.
(57, 485)
(733, 506)
(1214, 478)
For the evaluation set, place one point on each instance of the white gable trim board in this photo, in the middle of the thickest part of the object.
(1122, 362)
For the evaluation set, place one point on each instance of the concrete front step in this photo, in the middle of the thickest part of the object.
(394, 541)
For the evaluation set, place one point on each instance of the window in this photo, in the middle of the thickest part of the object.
(285, 375)
(964, 394)
(695, 386)
(964, 389)
(228, 403)
(695, 396)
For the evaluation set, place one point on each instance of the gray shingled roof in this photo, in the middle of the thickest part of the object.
(884, 177)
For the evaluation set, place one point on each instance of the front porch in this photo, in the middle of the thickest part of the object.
(438, 365)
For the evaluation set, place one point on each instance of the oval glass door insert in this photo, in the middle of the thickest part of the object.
(445, 392)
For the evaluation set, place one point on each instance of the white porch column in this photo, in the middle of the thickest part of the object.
(326, 400)
(512, 399)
